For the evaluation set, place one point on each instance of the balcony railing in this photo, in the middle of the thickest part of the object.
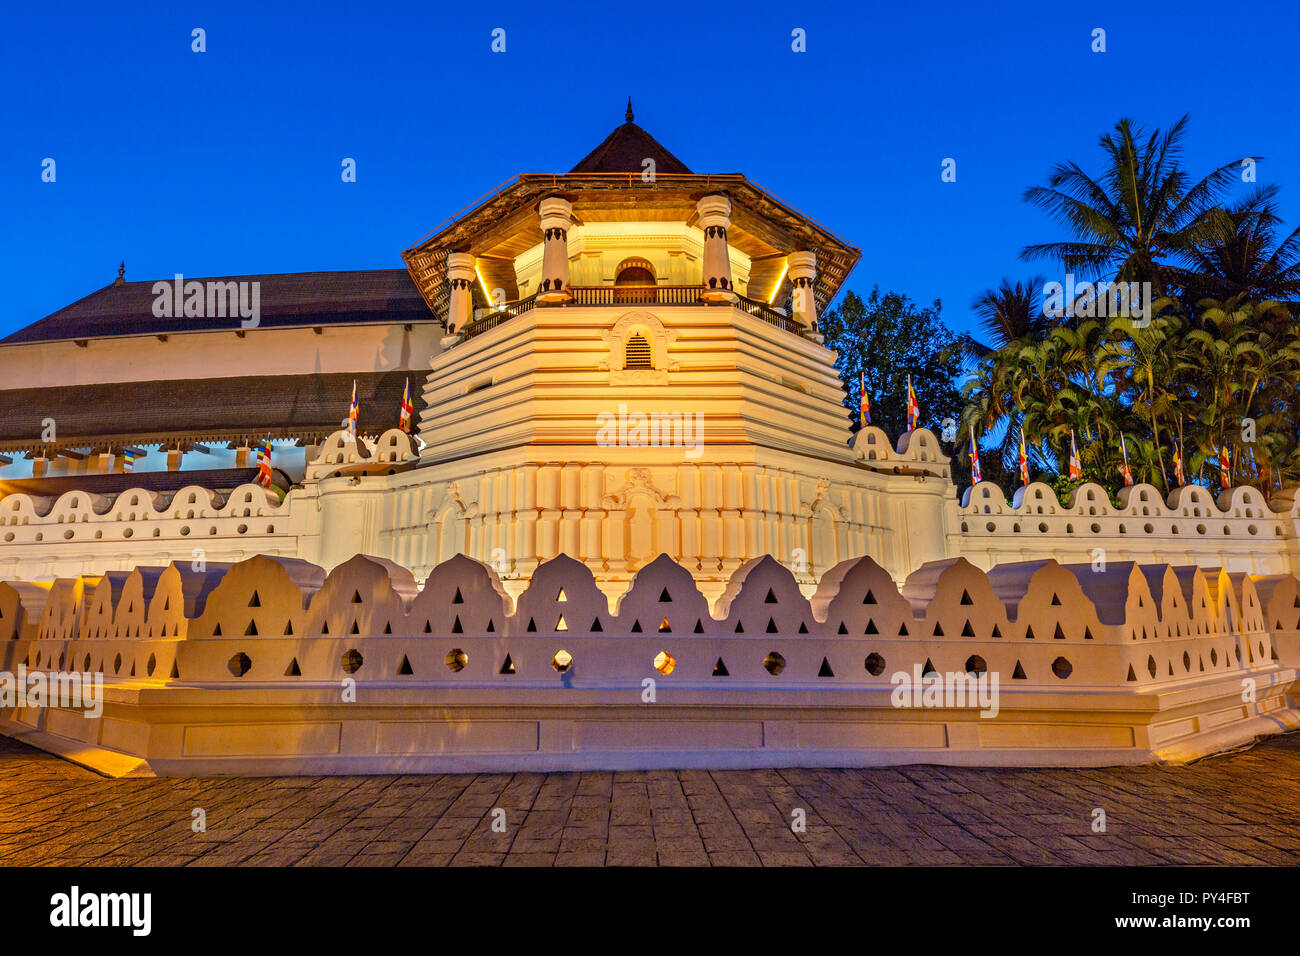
(636, 294)
(490, 318)
(771, 316)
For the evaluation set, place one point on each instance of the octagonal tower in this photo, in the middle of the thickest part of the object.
(632, 367)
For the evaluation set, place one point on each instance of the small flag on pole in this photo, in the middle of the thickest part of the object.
(353, 413)
(1024, 460)
(1076, 466)
(1124, 470)
(976, 475)
(1178, 467)
(913, 409)
(265, 475)
(128, 459)
(1225, 468)
(407, 408)
(864, 406)
(264, 463)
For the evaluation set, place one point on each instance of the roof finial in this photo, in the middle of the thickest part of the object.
(121, 274)
(628, 114)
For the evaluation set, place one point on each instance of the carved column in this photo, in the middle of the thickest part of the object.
(803, 275)
(715, 218)
(460, 275)
(557, 216)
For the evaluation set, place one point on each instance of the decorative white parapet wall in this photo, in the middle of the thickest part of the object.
(49, 537)
(1238, 530)
(894, 503)
(271, 665)
(44, 537)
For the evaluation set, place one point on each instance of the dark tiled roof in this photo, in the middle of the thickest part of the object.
(217, 479)
(294, 298)
(217, 409)
(625, 150)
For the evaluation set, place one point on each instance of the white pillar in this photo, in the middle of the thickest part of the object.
(461, 275)
(803, 273)
(715, 217)
(557, 216)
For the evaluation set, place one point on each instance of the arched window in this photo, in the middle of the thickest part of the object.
(634, 281)
(635, 275)
(636, 353)
(634, 271)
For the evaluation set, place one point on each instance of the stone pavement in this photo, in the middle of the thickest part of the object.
(1242, 808)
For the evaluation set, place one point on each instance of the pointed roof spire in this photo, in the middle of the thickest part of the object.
(121, 274)
(626, 150)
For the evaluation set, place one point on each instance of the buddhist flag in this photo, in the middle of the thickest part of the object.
(913, 410)
(976, 475)
(1024, 460)
(128, 459)
(864, 406)
(264, 463)
(1178, 467)
(407, 408)
(265, 475)
(1076, 466)
(353, 413)
(1124, 470)
(1225, 468)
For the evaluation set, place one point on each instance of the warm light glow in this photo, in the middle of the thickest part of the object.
(665, 663)
(562, 660)
(779, 279)
(491, 304)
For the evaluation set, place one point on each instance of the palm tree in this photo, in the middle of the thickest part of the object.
(1142, 209)
(1011, 318)
(1144, 363)
(1242, 255)
(1009, 313)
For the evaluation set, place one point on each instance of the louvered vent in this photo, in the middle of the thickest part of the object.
(637, 352)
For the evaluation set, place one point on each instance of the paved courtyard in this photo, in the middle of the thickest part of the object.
(1242, 808)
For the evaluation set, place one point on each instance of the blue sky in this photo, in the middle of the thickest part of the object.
(227, 162)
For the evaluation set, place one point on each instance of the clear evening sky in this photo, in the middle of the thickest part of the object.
(228, 162)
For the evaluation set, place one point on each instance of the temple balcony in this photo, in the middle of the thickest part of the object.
(657, 295)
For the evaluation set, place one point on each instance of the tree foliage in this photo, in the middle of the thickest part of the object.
(886, 337)
(1211, 366)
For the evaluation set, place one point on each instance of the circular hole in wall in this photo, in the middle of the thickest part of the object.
(351, 661)
(239, 664)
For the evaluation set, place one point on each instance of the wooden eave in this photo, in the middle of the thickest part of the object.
(506, 223)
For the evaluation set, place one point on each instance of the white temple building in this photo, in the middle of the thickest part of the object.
(620, 392)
